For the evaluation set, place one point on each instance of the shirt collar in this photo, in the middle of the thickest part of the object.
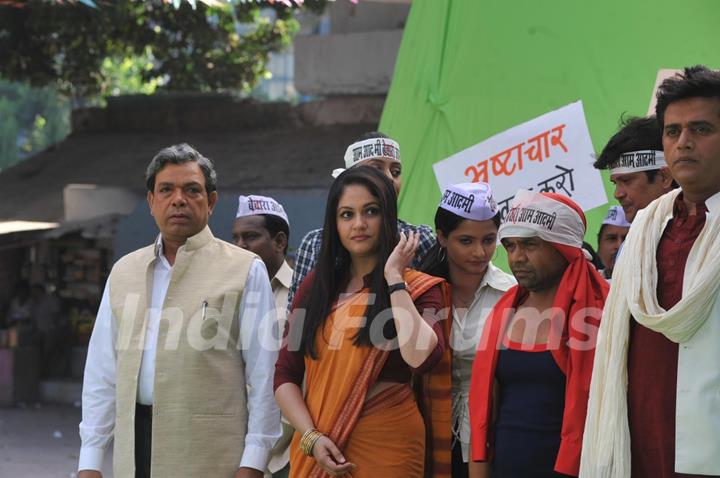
(680, 209)
(712, 204)
(193, 242)
(496, 278)
(158, 246)
(160, 258)
(199, 240)
(284, 275)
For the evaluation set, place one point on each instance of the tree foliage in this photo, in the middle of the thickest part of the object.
(194, 47)
(31, 119)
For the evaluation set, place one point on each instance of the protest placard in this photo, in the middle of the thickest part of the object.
(662, 75)
(551, 153)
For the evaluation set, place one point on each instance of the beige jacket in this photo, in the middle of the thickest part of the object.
(199, 403)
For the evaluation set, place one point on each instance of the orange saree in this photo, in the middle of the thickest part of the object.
(384, 434)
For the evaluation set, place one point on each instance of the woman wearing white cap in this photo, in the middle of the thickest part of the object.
(466, 223)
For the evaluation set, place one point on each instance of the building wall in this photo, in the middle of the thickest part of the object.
(367, 16)
(346, 64)
(358, 55)
(88, 201)
(305, 209)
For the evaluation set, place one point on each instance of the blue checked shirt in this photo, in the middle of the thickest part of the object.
(309, 251)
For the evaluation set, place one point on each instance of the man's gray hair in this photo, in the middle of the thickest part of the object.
(181, 154)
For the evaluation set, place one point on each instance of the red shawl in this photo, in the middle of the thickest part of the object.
(581, 296)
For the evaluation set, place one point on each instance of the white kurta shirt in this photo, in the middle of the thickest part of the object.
(281, 288)
(98, 397)
(464, 339)
(697, 409)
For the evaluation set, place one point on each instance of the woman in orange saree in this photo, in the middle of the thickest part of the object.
(356, 335)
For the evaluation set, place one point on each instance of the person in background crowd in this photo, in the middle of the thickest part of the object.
(611, 235)
(355, 353)
(531, 375)
(636, 164)
(176, 375)
(594, 257)
(376, 150)
(466, 223)
(262, 226)
(19, 312)
(654, 406)
(45, 316)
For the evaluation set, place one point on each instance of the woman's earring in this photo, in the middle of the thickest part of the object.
(442, 255)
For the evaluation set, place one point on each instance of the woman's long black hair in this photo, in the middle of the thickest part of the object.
(435, 261)
(333, 267)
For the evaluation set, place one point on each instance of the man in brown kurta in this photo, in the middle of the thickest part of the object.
(690, 116)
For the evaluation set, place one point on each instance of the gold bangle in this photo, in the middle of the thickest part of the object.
(311, 443)
(304, 443)
(303, 440)
(308, 440)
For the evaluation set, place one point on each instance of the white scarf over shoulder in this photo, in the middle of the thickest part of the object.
(606, 442)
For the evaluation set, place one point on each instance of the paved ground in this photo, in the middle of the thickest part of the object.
(40, 442)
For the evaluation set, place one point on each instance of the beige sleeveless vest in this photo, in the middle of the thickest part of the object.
(199, 398)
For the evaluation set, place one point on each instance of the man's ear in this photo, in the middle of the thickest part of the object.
(212, 201)
(150, 199)
(280, 241)
(666, 178)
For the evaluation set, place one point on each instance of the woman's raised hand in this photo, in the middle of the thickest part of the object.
(401, 257)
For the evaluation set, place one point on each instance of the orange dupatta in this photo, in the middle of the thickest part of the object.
(434, 392)
(338, 382)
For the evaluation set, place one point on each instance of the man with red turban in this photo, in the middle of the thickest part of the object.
(531, 374)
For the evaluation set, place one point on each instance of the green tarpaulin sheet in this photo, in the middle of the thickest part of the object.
(468, 69)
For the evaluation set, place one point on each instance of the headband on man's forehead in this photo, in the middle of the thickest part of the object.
(534, 215)
(373, 148)
(636, 161)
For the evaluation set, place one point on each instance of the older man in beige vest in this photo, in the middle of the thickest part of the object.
(180, 364)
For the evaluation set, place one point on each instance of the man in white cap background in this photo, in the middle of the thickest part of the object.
(611, 235)
(376, 150)
(262, 226)
(634, 157)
